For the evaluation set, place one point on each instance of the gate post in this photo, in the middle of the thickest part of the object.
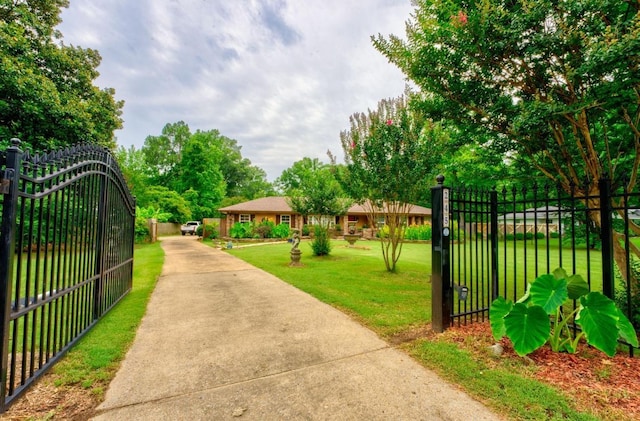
(7, 249)
(441, 291)
(606, 236)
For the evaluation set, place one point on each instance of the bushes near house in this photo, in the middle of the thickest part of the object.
(209, 230)
(281, 231)
(418, 232)
(264, 229)
(241, 230)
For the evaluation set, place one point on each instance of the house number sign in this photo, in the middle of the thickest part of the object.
(445, 211)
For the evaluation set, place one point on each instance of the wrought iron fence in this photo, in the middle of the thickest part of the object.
(66, 254)
(499, 240)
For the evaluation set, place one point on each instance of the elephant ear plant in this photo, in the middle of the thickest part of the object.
(538, 317)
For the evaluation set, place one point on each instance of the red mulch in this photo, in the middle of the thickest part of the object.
(608, 386)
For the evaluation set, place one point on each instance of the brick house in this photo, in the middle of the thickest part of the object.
(277, 210)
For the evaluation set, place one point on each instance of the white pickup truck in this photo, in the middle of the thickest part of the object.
(189, 227)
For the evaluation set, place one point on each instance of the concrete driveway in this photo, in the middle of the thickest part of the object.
(222, 339)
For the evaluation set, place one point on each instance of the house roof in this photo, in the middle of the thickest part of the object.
(279, 204)
(543, 212)
(358, 209)
(264, 204)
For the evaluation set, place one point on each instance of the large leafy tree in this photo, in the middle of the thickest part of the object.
(389, 152)
(243, 179)
(556, 81)
(318, 194)
(166, 201)
(163, 153)
(294, 177)
(201, 179)
(47, 96)
(134, 169)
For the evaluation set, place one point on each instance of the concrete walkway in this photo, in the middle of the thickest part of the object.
(224, 340)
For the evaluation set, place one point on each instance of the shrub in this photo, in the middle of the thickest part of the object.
(622, 296)
(142, 233)
(527, 322)
(418, 232)
(306, 230)
(383, 232)
(210, 230)
(281, 231)
(519, 236)
(264, 229)
(321, 244)
(241, 230)
(540, 235)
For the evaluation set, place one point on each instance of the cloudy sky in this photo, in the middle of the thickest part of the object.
(281, 77)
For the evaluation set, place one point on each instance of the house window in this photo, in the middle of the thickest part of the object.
(353, 218)
(380, 221)
(285, 219)
(245, 217)
(323, 220)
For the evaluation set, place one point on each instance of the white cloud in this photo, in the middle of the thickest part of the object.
(281, 77)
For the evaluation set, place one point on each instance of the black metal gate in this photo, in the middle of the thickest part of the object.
(490, 243)
(66, 254)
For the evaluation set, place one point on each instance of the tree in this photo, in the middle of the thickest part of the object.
(293, 177)
(166, 201)
(388, 154)
(319, 195)
(242, 178)
(557, 81)
(47, 96)
(134, 169)
(201, 179)
(163, 153)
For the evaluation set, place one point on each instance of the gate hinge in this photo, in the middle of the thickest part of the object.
(5, 180)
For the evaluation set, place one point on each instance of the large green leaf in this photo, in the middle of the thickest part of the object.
(499, 308)
(599, 320)
(549, 292)
(527, 327)
(626, 330)
(577, 287)
(560, 273)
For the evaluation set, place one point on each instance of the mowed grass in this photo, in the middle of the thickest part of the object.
(355, 280)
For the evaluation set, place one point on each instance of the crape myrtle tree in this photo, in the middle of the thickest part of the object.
(555, 81)
(318, 195)
(47, 96)
(388, 153)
